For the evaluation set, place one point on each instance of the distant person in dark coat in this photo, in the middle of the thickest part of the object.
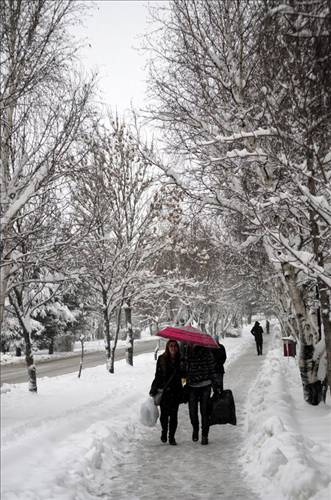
(220, 358)
(257, 331)
(201, 376)
(168, 374)
(267, 326)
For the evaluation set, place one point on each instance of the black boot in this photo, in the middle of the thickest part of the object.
(204, 440)
(172, 440)
(195, 435)
(164, 436)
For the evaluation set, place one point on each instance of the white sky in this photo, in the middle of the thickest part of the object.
(113, 30)
(82, 439)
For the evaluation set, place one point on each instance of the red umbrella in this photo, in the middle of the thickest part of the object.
(188, 334)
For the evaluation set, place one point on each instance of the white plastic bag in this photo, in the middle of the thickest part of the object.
(149, 413)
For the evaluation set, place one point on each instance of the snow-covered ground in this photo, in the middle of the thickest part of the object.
(77, 439)
(287, 450)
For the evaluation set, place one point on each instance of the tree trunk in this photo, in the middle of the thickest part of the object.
(3, 289)
(51, 347)
(6, 128)
(325, 316)
(158, 345)
(249, 314)
(106, 328)
(81, 358)
(129, 336)
(322, 293)
(32, 374)
(111, 360)
(308, 366)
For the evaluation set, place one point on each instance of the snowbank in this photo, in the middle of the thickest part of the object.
(287, 452)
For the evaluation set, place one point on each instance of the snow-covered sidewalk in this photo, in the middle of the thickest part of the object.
(81, 439)
(194, 471)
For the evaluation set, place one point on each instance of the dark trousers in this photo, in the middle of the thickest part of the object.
(169, 419)
(259, 348)
(199, 395)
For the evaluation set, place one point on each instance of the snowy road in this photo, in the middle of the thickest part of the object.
(151, 468)
(17, 373)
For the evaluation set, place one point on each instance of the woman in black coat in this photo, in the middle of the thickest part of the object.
(168, 377)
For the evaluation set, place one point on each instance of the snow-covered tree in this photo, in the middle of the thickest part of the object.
(112, 204)
(39, 272)
(251, 125)
(298, 105)
(43, 103)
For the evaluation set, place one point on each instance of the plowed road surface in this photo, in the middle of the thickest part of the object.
(16, 373)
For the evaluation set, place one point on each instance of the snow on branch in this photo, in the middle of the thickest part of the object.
(251, 240)
(260, 132)
(26, 194)
(282, 9)
(241, 153)
(300, 259)
(319, 204)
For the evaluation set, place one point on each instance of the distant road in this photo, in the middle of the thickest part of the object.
(16, 373)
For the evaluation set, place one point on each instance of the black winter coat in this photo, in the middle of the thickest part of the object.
(257, 331)
(201, 366)
(165, 367)
(220, 358)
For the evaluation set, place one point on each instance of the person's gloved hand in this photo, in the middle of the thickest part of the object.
(152, 393)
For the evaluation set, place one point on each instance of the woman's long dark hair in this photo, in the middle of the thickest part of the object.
(167, 352)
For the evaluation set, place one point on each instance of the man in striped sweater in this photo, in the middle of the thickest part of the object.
(201, 377)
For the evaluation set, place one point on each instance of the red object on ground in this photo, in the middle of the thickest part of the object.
(289, 347)
(189, 335)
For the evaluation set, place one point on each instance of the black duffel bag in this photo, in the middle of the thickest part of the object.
(222, 409)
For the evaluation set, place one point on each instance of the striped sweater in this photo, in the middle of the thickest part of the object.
(201, 366)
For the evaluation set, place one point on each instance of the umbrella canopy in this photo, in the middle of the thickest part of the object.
(188, 334)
